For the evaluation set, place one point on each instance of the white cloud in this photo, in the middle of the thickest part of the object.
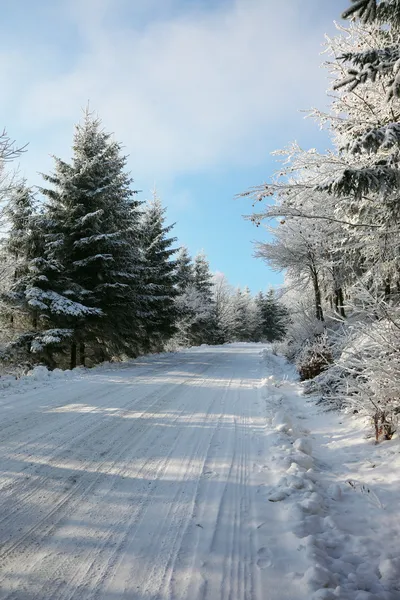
(195, 90)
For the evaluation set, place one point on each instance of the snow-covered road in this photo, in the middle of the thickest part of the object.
(137, 482)
(201, 475)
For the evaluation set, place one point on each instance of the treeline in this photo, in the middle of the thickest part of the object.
(90, 272)
(338, 236)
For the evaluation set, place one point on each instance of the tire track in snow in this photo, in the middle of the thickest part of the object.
(57, 460)
(65, 499)
(123, 549)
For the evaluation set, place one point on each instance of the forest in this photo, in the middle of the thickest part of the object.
(91, 273)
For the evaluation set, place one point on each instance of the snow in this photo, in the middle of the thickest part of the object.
(203, 473)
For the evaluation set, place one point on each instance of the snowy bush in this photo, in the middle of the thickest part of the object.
(303, 325)
(366, 370)
(371, 362)
(314, 358)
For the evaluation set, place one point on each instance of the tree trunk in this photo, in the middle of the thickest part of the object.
(387, 289)
(339, 302)
(73, 356)
(317, 294)
(82, 355)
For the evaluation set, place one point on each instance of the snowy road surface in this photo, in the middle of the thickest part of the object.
(137, 482)
(204, 475)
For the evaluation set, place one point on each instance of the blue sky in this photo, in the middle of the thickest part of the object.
(198, 91)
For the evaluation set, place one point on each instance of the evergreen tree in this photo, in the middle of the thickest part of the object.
(183, 270)
(17, 250)
(202, 277)
(274, 317)
(160, 276)
(19, 245)
(204, 330)
(94, 237)
(372, 61)
(196, 310)
(223, 308)
(39, 310)
(368, 64)
(240, 311)
(254, 317)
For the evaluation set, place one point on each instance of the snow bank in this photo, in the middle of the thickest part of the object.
(338, 491)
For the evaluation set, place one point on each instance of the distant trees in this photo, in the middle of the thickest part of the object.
(221, 313)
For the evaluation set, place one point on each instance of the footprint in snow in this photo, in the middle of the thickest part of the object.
(207, 474)
(264, 558)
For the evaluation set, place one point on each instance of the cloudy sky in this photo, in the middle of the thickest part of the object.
(198, 91)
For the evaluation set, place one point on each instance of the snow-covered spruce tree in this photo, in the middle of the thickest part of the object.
(160, 276)
(376, 64)
(202, 276)
(18, 247)
(204, 330)
(19, 243)
(183, 270)
(196, 310)
(274, 317)
(355, 116)
(40, 315)
(8, 183)
(224, 307)
(246, 316)
(94, 235)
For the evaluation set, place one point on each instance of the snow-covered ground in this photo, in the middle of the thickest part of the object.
(203, 474)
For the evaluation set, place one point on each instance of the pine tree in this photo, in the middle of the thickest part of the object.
(223, 308)
(160, 276)
(183, 270)
(373, 61)
(254, 317)
(94, 234)
(204, 330)
(40, 311)
(240, 311)
(274, 318)
(196, 310)
(19, 243)
(18, 248)
(202, 277)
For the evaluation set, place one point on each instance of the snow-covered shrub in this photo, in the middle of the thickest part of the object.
(365, 373)
(303, 325)
(315, 357)
(328, 386)
(371, 363)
